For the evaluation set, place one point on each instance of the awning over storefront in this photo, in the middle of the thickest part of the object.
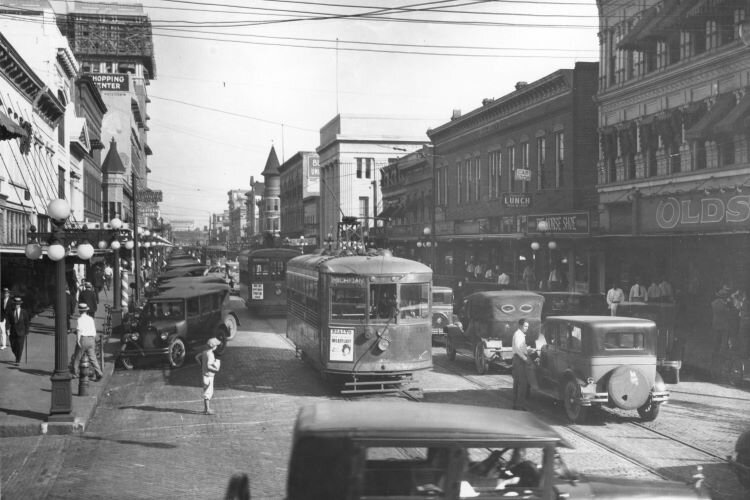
(388, 211)
(734, 121)
(705, 127)
(10, 129)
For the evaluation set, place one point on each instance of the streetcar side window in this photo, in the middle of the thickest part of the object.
(415, 301)
(348, 303)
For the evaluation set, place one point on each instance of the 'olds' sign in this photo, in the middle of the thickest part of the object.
(111, 81)
(696, 212)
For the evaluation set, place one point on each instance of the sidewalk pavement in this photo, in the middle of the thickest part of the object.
(25, 390)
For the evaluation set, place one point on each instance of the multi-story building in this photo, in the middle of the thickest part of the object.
(86, 146)
(37, 70)
(237, 218)
(269, 216)
(352, 150)
(514, 185)
(674, 156)
(300, 194)
(113, 44)
(252, 202)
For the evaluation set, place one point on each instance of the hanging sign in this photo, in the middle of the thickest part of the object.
(516, 200)
(111, 81)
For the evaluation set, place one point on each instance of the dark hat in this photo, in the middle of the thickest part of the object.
(83, 307)
(17, 300)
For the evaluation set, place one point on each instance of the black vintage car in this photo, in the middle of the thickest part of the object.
(177, 321)
(345, 450)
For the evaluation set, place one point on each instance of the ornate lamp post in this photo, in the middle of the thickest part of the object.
(58, 240)
(427, 242)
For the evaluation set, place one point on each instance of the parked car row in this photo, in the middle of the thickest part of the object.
(183, 310)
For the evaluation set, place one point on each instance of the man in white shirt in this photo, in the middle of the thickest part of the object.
(615, 296)
(86, 342)
(520, 362)
(654, 292)
(638, 292)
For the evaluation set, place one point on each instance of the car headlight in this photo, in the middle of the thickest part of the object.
(135, 336)
(163, 335)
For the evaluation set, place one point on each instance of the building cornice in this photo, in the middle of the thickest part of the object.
(18, 73)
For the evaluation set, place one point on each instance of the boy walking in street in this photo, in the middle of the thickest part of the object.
(209, 367)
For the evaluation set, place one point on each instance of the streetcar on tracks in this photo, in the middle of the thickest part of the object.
(361, 318)
(263, 279)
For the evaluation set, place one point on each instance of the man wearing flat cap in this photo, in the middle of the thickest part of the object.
(18, 321)
(5, 308)
(85, 342)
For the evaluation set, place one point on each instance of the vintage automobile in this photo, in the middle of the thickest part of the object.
(177, 321)
(573, 303)
(486, 325)
(399, 449)
(668, 350)
(442, 311)
(741, 462)
(590, 361)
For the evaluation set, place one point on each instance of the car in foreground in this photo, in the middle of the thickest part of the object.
(486, 325)
(590, 361)
(177, 321)
(400, 449)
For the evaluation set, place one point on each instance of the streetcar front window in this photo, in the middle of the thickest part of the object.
(348, 303)
(269, 269)
(383, 301)
(415, 301)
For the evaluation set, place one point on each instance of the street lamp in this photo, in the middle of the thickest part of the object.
(58, 240)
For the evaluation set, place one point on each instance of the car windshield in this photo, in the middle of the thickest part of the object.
(441, 297)
(164, 310)
(414, 301)
(428, 471)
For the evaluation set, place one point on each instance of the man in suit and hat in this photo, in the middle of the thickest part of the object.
(5, 307)
(721, 308)
(86, 342)
(88, 295)
(19, 321)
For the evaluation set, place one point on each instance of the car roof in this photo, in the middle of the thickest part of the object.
(515, 294)
(190, 291)
(603, 320)
(407, 421)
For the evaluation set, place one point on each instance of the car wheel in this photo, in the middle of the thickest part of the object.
(572, 401)
(649, 411)
(177, 353)
(480, 361)
(231, 323)
(737, 372)
(450, 350)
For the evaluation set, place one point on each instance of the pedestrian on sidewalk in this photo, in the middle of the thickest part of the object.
(209, 368)
(86, 342)
(19, 327)
(721, 310)
(108, 274)
(615, 296)
(6, 307)
(520, 361)
(70, 306)
(89, 297)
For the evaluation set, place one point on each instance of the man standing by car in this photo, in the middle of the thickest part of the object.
(520, 362)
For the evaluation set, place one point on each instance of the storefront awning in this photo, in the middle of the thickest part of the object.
(10, 129)
(387, 211)
(733, 121)
(705, 127)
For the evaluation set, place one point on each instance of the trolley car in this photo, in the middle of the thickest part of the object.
(362, 320)
(263, 279)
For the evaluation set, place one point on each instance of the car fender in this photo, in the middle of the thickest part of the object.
(659, 385)
(235, 317)
(586, 386)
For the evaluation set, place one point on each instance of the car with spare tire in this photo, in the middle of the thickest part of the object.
(177, 321)
(594, 361)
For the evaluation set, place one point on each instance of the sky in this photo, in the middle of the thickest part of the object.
(236, 77)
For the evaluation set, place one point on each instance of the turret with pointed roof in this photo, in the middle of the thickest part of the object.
(113, 163)
(270, 213)
(272, 164)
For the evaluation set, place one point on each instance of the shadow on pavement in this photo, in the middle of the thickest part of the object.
(155, 408)
(128, 441)
(25, 414)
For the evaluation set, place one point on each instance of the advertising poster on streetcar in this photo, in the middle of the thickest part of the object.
(342, 341)
(257, 291)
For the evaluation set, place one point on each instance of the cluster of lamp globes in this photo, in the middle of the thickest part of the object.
(428, 243)
(59, 211)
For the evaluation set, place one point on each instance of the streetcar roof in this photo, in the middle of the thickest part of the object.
(191, 280)
(408, 421)
(360, 264)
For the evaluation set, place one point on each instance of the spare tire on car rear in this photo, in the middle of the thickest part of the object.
(628, 388)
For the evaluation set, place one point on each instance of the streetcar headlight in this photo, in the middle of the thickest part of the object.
(384, 344)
